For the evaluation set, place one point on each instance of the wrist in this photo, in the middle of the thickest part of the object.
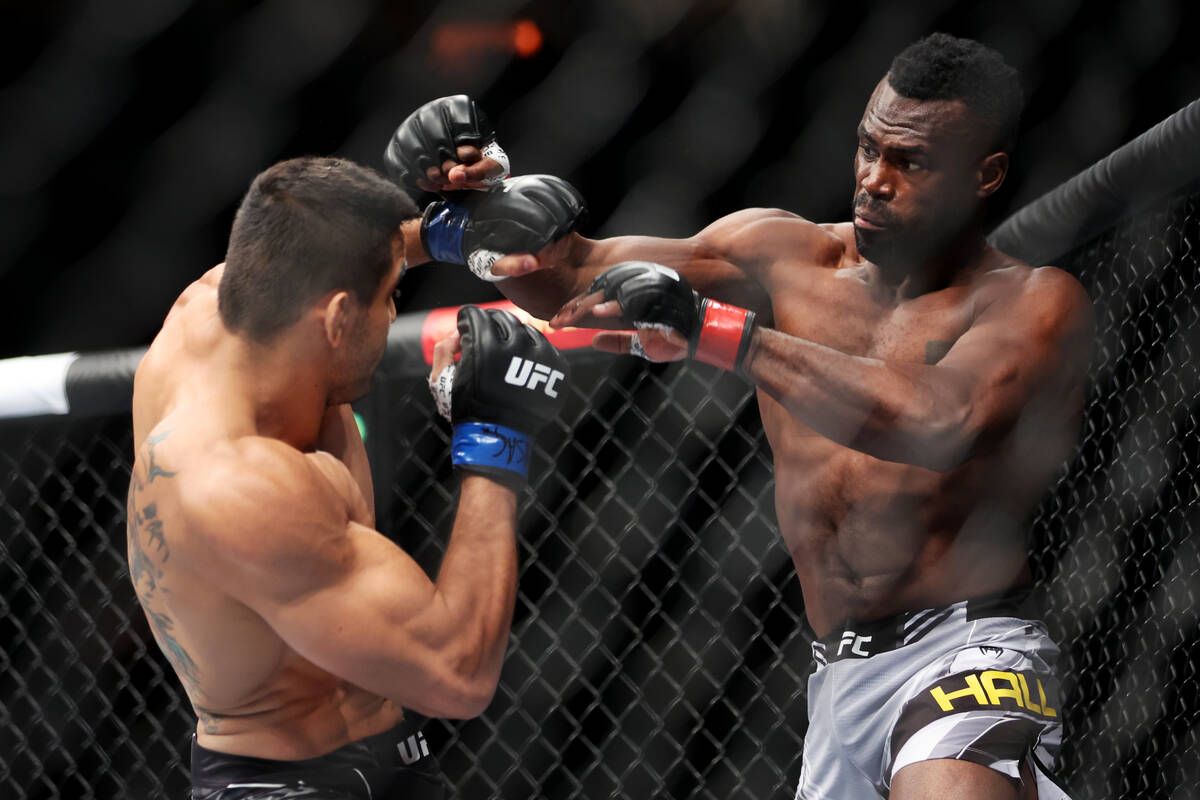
(495, 492)
(494, 451)
(412, 239)
(725, 335)
(442, 228)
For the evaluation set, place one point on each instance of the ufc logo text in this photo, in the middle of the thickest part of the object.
(523, 372)
(855, 642)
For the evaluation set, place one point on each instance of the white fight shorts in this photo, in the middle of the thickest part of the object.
(972, 681)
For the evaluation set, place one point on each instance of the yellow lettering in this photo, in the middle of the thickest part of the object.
(1047, 710)
(1032, 706)
(943, 698)
(995, 694)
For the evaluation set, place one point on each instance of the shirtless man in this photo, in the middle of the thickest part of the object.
(298, 631)
(919, 389)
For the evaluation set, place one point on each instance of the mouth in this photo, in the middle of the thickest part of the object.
(867, 223)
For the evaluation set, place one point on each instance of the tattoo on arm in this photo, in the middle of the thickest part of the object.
(935, 350)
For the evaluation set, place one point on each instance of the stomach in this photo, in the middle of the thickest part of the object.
(871, 538)
(253, 694)
(301, 712)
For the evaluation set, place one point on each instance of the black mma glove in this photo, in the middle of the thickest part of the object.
(506, 386)
(432, 135)
(523, 215)
(654, 296)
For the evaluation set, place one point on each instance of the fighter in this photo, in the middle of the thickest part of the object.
(299, 632)
(919, 389)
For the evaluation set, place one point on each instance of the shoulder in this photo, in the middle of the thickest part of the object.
(258, 500)
(202, 288)
(1049, 288)
(1048, 303)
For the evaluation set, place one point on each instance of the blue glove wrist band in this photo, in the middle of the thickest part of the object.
(444, 233)
(486, 444)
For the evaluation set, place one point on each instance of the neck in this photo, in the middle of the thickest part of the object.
(957, 257)
(283, 386)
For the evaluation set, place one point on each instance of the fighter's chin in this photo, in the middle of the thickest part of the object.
(871, 245)
(884, 248)
(351, 392)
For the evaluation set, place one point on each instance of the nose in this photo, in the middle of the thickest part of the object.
(875, 179)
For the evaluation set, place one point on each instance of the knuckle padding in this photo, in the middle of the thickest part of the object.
(506, 325)
(533, 212)
(649, 296)
(432, 134)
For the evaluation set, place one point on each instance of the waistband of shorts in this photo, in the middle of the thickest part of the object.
(213, 766)
(864, 639)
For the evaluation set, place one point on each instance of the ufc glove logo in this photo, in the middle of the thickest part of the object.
(523, 372)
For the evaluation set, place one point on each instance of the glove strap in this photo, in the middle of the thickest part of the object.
(442, 229)
(495, 450)
(725, 332)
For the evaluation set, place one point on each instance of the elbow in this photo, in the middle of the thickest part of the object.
(465, 698)
(466, 685)
(947, 439)
(937, 437)
(474, 703)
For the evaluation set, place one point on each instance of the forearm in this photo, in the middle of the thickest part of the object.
(902, 412)
(478, 577)
(568, 267)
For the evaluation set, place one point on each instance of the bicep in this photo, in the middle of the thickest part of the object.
(362, 609)
(273, 529)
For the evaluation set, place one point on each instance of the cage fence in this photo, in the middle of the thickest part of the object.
(659, 646)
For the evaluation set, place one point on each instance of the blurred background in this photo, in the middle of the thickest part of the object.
(658, 649)
(131, 128)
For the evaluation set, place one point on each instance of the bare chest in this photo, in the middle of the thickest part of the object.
(830, 483)
(838, 310)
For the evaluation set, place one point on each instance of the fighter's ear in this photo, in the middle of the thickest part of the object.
(991, 173)
(337, 318)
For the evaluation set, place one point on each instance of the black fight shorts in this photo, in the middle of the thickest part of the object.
(393, 764)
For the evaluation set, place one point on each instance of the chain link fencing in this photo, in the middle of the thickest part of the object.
(659, 647)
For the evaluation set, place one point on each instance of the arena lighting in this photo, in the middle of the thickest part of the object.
(455, 41)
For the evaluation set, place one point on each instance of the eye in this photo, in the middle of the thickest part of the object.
(869, 152)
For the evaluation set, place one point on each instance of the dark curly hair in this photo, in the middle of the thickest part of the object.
(945, 67)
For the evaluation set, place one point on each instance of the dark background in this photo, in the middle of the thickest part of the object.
(132, 127)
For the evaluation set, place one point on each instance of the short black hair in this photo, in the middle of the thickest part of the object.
(945, 67)
(307, 226)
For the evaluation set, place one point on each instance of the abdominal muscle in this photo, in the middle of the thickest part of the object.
(871, 538)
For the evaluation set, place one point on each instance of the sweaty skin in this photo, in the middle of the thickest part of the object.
(919, 388)
(916, 410)
(294, 626)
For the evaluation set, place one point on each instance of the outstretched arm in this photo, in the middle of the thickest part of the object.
(731, 260)
(1027, 351)
(522, 232)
